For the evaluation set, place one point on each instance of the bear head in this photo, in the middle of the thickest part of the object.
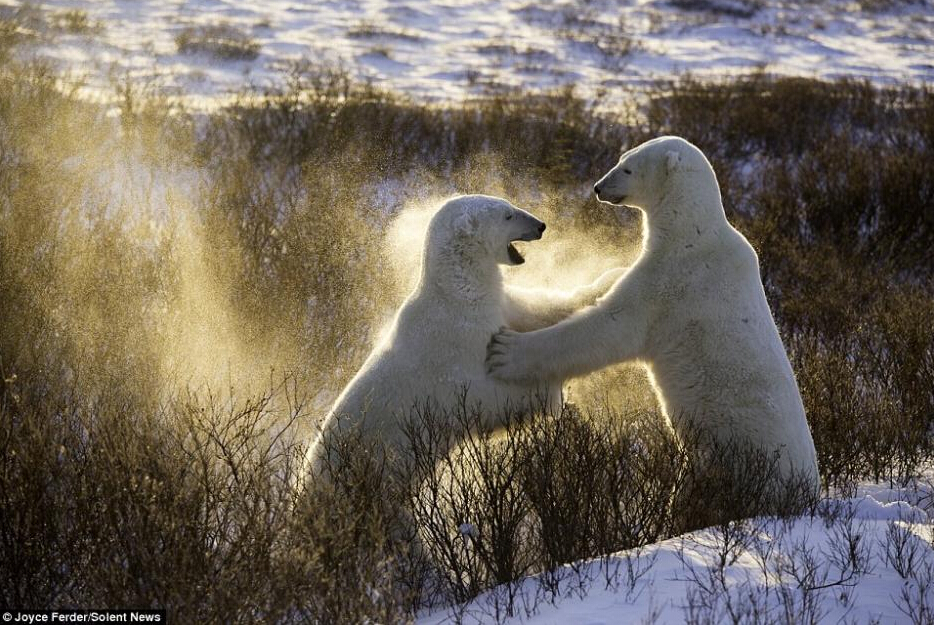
(647, 172)
(482, 227)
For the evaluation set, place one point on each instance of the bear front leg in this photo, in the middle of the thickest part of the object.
(532, 309)
(589, 294)
(588, 341)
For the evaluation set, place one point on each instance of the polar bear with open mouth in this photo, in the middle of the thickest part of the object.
(436, 347)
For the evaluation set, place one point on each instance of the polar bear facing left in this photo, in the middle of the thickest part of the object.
(435, 349)
(692, 310)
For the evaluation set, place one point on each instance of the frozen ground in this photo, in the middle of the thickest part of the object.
(457, 48)
(862, 560)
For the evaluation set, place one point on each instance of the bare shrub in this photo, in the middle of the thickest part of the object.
(358, 560)
(468, 502)
(724, 480)
(221, 40)
(75, 21)
(904, 550)
(731, 8)
(370, 30)
(914, 600)
(768, 570)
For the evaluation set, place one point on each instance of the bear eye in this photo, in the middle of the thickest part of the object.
(508, 217)
(627, 171)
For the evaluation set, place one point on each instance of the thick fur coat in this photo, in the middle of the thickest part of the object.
(692, 309)
(434, 352)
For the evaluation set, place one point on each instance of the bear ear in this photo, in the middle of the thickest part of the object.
(673, 161)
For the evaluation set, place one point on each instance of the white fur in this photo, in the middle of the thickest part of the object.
(692, 309)
(436, 347)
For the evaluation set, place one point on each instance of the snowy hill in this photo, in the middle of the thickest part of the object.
(457, 48)
(860, 560)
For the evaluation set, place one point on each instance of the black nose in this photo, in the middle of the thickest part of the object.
(597, 188)
(541, 227)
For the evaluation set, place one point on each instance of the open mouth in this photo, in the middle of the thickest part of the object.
(515, 257)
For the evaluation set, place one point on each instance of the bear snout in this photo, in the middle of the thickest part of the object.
(597, 189)
(535, 229)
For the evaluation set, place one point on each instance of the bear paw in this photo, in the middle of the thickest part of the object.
(505, 356)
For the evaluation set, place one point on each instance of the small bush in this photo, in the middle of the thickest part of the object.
(75, 21)
(874, 6)
(369, 30)
(732, 8)
(222, 41)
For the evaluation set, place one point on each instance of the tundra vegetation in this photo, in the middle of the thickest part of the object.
(181, 294)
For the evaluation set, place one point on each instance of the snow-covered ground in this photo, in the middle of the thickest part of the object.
(867, 559)
(456, 48)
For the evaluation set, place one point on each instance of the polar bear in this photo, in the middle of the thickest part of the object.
(691, 309)
(436, 347)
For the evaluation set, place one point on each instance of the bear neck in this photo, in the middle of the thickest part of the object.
(464, 275)
(686, 212)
